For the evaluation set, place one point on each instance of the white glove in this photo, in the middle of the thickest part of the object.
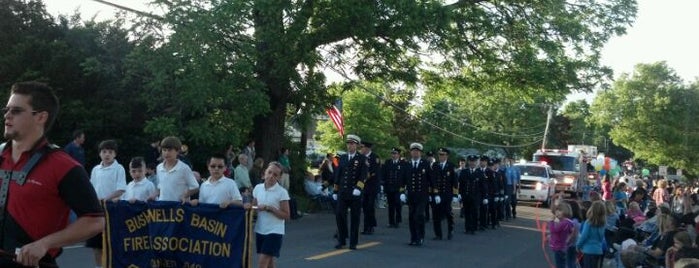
(497, 199)
(460, 198)
(485, 201)
(356, 192)
(403, 198)
(507, 197)
(382, 188)
(454, 199)
(335, 197)
(437, 200)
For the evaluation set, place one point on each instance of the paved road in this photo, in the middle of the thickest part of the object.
(309, 243)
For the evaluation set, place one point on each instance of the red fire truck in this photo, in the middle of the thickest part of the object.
(569, 169)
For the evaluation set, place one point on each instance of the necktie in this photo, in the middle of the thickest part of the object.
(442, 166)
(414, 164)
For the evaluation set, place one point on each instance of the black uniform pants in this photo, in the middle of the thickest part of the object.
(440, 212)
(369, 208)
(500, 208)
(354, 204)
(493, 212)
(470, 210)
(416, 218)
(394, 207)
(483, 214)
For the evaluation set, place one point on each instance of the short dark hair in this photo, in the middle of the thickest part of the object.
(77, 133)
(217, 156)
(137, 162)
(108, 145)
(41, 98)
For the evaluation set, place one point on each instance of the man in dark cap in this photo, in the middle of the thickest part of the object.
(417, 185)
(443, 191)
(431, 161)
(371, 188)
(496, 179)
(393, 174)
(349, 183)
(470, 194)
(484, 183)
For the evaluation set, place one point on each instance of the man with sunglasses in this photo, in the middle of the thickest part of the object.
(39, 184)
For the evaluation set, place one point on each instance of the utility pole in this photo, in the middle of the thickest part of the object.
(549, 116)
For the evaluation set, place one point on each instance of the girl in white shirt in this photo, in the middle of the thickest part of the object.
(272, 202)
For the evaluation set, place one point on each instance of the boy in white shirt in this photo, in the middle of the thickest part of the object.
(140, 189)
(176, 181)
(218, 189)
(109, 180)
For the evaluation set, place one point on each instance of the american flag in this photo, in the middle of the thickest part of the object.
(336, 117)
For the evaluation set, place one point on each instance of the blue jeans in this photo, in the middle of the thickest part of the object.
(572, 257)
(559, 257)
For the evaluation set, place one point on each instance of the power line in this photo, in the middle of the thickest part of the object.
(461, 121)
(433, 125)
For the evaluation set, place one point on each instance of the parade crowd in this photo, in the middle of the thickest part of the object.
(627, 221)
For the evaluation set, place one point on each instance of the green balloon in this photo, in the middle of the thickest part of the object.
(645, 172)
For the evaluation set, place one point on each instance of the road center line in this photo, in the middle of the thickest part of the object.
(520, 227)
(341, 251)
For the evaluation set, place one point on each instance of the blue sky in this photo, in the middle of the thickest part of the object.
(664, 30)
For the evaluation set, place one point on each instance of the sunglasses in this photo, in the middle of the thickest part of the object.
(217, 166)
(16, 110)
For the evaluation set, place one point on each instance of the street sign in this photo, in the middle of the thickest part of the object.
(662, 170)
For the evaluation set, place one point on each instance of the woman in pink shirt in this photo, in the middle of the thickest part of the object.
(606, 188)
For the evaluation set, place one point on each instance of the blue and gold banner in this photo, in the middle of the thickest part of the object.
(169, 234)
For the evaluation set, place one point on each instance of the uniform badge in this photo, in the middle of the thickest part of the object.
(448, 173)
(423, 171)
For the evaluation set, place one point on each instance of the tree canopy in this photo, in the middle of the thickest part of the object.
(651, 112)
(275, 51)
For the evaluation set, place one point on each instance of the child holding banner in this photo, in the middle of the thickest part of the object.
(218, 189)
(109, 180)
(176, 181)
(140, 189)
(272, 203)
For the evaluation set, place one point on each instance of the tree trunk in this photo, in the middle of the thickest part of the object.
(269, 130)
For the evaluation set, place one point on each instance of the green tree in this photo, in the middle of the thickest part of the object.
(84, 62)
(270, 51)
(484, 116)
(364, 115)
(650, 112)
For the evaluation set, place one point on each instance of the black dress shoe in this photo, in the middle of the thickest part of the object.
(412, 243)
(339, 246)
(419, 242)
(353, 247)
